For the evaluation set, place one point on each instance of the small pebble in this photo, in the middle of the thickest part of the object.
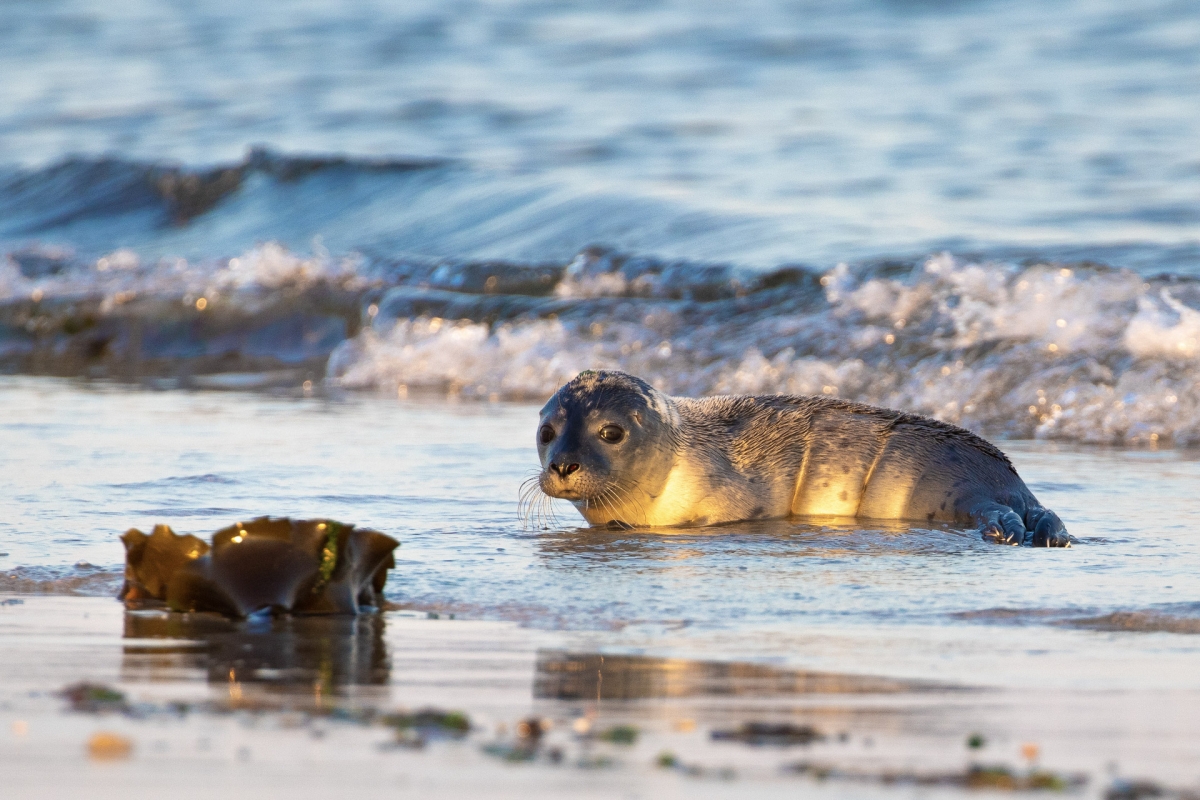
(107, 746)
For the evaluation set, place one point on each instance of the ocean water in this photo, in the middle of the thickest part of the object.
(773, 132)
(982, 211)
(331, 261)
(84, 462)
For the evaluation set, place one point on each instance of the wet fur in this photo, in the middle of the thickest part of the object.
(723, 459)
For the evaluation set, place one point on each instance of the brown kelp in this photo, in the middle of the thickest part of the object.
(277, 565)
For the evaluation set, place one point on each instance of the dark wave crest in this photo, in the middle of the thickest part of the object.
(77, 190)
(378, 294)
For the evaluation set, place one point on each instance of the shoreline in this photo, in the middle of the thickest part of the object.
(258, 721)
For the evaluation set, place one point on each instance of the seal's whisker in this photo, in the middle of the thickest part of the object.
(523, 499)
(549, 516)
(606, 501)
(531, 502)
(622, 495)
(616, 499)
(628, 489)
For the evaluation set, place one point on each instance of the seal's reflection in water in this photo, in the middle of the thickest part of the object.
(292, 659)
(592, 676)
(801, 537)
(726, 694)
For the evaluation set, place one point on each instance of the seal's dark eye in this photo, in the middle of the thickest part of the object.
(612, 433)
(546, 434)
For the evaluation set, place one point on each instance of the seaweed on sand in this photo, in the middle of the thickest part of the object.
(995, 778)
(770, 733)
(414, 730)
(317, 566)
(93, 698)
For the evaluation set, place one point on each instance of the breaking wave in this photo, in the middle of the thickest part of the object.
(1079, 352)
(1165, 618)
(1139, 622)
(1051, 347)
(1073, 351)
(82, 579)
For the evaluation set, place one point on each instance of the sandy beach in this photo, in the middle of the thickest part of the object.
(302, 713)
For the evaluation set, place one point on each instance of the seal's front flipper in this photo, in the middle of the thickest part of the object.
(1000, 524)
(1048, 529)
(1040, 527)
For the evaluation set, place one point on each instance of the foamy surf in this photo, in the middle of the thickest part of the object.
(1071, 351)
(1080, 352)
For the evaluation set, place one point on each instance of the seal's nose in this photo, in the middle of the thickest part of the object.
(564, 470)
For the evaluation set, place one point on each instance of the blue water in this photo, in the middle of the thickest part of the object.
(761, 133)
(988, 212)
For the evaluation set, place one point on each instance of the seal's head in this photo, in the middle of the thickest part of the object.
(607, 441)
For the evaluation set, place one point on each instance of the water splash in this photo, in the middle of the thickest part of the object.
(1078, 352)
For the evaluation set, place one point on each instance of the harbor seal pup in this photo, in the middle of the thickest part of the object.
(627, 455)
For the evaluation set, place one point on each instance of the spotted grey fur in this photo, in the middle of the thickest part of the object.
(687, 461)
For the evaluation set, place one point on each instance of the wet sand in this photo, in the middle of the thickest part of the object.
(295, 707)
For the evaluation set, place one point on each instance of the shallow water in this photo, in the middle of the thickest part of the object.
(86, 461)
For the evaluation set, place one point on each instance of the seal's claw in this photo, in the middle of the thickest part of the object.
(1048, 529)
(996, 535)
(992, 533)
(1002, 525)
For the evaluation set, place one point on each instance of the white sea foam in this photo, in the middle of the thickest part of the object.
(1075, 352)
(1072, 352)
(460, 357)
(1170, 330)
(12, 283)
(273, 266)
(122, 275)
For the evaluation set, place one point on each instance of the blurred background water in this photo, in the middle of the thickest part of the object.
(984, 210)
(762, 133)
